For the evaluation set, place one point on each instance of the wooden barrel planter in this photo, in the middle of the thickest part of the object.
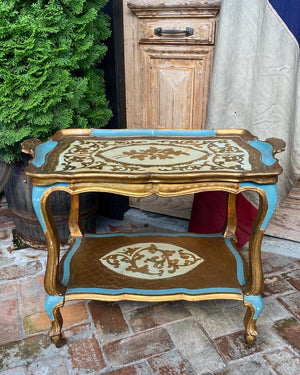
(5, 172)
(18, 193)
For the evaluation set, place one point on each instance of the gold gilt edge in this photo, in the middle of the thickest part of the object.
(146, 298)
(243, 133)
(264, 176)
(71, 132)
(144, 190)
(124, 179)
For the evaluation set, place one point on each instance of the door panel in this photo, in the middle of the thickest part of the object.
(175, 88)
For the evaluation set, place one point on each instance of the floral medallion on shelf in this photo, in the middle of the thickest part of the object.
(151, 261)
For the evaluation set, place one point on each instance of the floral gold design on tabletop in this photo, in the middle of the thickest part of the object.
(153, 153)
(151, 260)
(153, 156)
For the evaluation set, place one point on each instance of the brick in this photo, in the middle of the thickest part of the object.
(134, 227)
(272, 311)
(39, 322)
(194, 346)
(56, 365)
(143, 368)
(23, 350)
(32, 295)
(4, 211)
(278, 264)
(283, 361)
(130, 370)
(74, 313)
(86, 355)
(15, 371)
(292, 303)
(77, 330)
(253, 366)
(5, 261)
(170, 363)
(156, 315)
(293, 278)
(289, 330)
(6, 223)
(109, 321)
(276, 285)
(115, 228)
(233, 346)
(138, 347)
(127, 306)
(8, 290)
(9, 321)
(218, 319)
(15, 271)
(4, 234)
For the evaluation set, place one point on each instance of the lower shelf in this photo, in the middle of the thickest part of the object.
(152, 266)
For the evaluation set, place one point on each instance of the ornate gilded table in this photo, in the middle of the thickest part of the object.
(153, 266)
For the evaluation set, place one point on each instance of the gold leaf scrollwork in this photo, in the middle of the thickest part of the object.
(151, 261)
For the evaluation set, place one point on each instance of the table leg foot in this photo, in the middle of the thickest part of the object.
(250, 327)
(249, 339)
(56, 326)
(254, 308)
(58, 340)
(53, 305)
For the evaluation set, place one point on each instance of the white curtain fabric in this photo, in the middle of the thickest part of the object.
(256, 80)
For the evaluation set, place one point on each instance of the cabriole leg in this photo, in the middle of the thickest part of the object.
(254, 285)
(52, 306)
(254, 308)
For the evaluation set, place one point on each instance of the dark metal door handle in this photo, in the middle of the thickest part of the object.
(188, 31)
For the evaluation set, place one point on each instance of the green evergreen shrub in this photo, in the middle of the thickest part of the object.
(49, 80)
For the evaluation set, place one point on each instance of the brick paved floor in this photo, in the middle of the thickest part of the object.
(128, 338)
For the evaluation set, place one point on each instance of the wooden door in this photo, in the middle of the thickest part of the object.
(175, 86)
(168, 53)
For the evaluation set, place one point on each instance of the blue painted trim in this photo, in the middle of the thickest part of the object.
(265, 149)
(37, 192)
(90, 235)
(154, 292)
(50, 303)
(67, 261)
(272, 197)
(257, 302)
(41, 151)
(151, 132)
(239, 262)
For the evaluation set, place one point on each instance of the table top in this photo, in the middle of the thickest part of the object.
(153, 156)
